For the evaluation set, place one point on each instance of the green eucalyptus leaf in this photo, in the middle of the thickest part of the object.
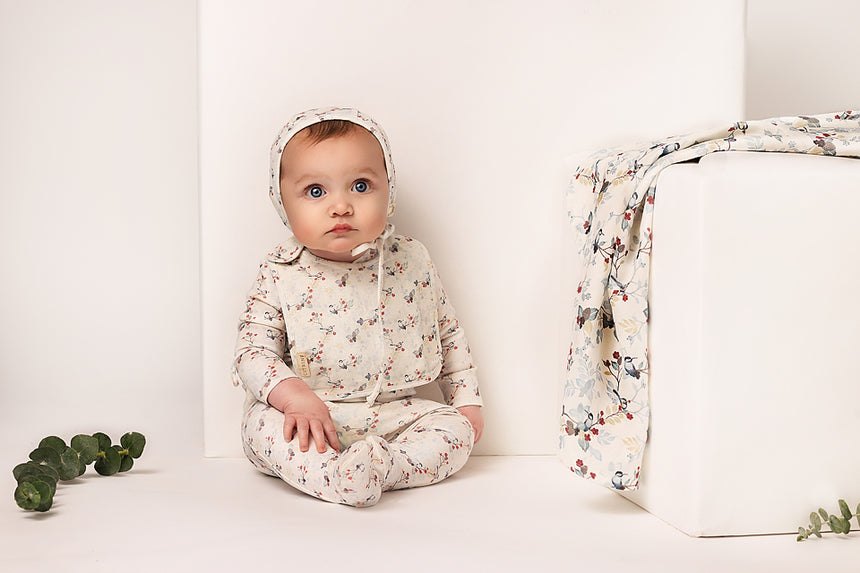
(70, 463)
(23, 470)
(125, 463)
(815, 520)
(46, 495)
(27, 496)
(32, 472)
(817, 533)
(87, 447)
(52, 483)
(134, 442)
(46, 455)
(48, 471)
(109, 463)
(824, 515)
(835, 524)
(844, 509)
(36, 469)
(53, 442)
(103, 439)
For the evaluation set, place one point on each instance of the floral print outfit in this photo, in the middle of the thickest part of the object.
(363, 335)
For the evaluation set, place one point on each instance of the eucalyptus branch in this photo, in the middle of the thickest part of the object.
(837, 523)
(54, 461)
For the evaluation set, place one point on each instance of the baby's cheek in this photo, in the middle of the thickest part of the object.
(380, 225)
(381, 214)
(302, 227)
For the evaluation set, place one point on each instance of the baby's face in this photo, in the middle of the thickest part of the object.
(335, 192)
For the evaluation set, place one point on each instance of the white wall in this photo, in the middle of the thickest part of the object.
(99, 224)
(482, 102)
(801, 57)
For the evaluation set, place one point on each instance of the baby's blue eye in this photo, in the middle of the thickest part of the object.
(316, 192)
(360, 187)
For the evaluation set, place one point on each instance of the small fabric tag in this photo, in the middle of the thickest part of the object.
(303, 365)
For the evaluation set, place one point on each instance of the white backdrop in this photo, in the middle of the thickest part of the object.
(99, 224)
(482, 101)
(801, 58)
(100, 221)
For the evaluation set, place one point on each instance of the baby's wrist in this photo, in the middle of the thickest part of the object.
(284, 390)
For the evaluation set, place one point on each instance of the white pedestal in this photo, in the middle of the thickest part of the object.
(754, 343)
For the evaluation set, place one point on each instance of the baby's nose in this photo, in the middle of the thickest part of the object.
(341, 205)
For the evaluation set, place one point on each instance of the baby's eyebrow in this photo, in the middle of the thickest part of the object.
(307, 180)
(369, 172)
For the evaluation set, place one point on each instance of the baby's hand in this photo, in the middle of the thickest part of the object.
(473, 414)
(304, 413)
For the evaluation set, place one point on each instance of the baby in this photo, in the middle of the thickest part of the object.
(344, 321)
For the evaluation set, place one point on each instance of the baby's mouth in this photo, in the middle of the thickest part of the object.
(340, 229)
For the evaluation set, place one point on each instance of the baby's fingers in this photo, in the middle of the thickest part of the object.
(318, 434)
(289, 427)
(331, 435)
(302, 431)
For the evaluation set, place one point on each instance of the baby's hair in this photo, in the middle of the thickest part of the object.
(329, 128)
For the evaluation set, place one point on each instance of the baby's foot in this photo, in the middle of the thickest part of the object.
(356, 480)
(384, 462)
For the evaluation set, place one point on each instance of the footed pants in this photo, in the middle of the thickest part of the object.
(409, 442)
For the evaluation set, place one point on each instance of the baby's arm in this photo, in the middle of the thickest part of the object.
(458, 379)
(260, 368)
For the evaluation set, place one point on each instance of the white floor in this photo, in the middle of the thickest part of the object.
(497, 514)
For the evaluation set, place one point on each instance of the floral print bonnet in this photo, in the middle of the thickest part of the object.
(308, 118)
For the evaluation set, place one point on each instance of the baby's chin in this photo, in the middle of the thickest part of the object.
(339, 255)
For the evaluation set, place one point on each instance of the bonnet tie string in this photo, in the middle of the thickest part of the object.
(377, 244)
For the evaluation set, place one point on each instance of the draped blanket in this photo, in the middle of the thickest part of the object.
(610, 201)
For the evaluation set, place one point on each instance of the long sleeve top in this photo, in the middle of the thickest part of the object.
(348, 336)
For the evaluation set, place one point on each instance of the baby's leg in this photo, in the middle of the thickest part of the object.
(427, 441)
(348, 477)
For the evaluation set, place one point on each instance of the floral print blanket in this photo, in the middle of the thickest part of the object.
(610, 201)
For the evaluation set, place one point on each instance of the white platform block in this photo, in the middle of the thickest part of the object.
(754, 343)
